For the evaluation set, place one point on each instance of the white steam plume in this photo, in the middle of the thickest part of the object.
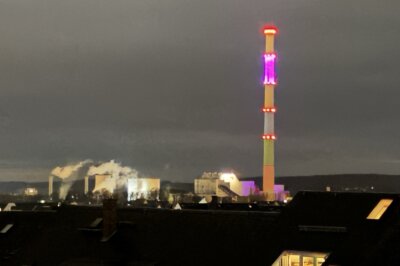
(66, 172)
(115, 175)
(117, 178)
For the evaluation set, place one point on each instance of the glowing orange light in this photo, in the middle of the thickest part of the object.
(269, 137)
(270, 30)
(269, 109)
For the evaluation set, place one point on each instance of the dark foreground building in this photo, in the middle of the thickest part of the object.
(314, 229)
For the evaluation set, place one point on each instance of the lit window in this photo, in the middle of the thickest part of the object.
(379, 209)
(308, 261)
(300, 258)
(320, 261)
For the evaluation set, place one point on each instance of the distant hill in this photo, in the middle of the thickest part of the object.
(343, 182)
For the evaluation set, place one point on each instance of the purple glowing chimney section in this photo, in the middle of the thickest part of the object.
(269, 68)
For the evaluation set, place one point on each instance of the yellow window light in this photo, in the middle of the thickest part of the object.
(379, 209)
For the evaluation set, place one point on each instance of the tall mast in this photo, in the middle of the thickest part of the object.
(269, 110)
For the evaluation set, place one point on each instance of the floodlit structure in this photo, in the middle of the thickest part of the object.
(143, 188)
(218, 184)
(248, 187)
(136, 188)
(31, 191)
(269, 109)
(104, 181)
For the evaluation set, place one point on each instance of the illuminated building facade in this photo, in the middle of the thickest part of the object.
(218, 184)
(31, 191)
(104, 181)
(143, 188)
(292, 257)
(136, 188)
(269, 109)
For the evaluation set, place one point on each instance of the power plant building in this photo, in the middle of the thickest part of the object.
(248, 187)
(104, 181)
(143, 188)
(219, 184)
(135, 188)
(31, 191)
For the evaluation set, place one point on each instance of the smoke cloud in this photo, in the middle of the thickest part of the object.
(66, 171)
(116, 175)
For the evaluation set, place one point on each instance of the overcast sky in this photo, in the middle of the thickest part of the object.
(173, 88)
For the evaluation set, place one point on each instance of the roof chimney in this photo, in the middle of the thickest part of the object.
(109, 218)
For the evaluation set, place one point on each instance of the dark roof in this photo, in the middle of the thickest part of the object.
(166, 237)
(330, 222)
(336, 223)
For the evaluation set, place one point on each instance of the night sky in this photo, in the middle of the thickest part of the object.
(173, 88)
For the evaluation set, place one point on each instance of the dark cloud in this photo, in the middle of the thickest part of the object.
(173, 88)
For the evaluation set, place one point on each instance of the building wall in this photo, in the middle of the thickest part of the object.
(142, 187)
(208, 184)
(99, 179)
(104, 182)
(234, 184)
(248, 188)
(205, 186)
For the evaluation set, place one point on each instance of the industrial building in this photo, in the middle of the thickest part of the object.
(103, 181)
(138, 187)
(31, 191)
(222, 185)
(143, 188)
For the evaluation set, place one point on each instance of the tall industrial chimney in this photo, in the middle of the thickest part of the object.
(86, 189)
(269, 110)
(50, 185)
